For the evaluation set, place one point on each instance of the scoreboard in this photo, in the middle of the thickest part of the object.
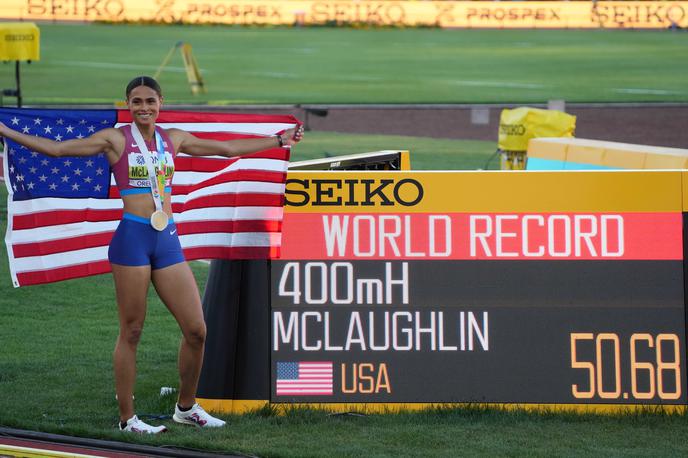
(491, 287)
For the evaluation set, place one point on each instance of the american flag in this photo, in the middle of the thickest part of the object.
(62, 212)
(304, 378)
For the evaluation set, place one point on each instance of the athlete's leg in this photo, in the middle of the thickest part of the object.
(131, 286)
(177, 288)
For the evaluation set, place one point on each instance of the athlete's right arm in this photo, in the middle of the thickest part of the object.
(103, 141)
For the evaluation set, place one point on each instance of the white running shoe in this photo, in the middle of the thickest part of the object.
(134, 425)
(196, 416)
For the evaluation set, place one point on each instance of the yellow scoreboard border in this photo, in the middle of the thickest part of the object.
(241, 406)
(486, 191)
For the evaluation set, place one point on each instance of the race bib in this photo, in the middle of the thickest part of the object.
(138, 172)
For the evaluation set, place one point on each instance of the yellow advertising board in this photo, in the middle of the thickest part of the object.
(517, 14)
(19, 41)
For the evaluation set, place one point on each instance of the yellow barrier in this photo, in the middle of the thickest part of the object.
(517, 126)
(577, 153)
(19, 41)
(239, 407)
(518, 14)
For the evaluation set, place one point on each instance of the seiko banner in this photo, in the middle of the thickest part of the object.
(467, 14)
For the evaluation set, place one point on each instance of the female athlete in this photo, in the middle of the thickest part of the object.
(145, 247)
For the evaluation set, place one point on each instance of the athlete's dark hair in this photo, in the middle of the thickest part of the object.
(144, 81)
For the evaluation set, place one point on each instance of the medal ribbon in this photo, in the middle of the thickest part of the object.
(156, 177)
(161, 170)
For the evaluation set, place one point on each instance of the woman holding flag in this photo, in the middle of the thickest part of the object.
(145, 248)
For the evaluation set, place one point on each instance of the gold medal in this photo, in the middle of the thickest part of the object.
(159, 220)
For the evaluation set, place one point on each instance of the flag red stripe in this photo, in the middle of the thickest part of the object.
(232, 176)
(201, 164)
(221, 136)
(213, 164)
(63, 273)
(62, 245)
(58, 217)
(230, 200)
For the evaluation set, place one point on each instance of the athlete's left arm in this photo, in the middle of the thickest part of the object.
(194, 146)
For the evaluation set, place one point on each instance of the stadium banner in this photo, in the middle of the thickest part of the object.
(528, 288)
(466, 14)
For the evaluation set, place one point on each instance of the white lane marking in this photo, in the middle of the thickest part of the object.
(511, 84)
(631, 90)
(90, 64)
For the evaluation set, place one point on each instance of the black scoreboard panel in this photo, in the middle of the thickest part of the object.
(482, 331)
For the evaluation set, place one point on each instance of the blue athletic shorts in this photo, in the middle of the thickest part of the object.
(136, 243)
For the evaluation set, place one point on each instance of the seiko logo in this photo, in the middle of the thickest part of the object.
(20, 37)
(81, 9)
(352, 192)
(512, 129)
(660, 15)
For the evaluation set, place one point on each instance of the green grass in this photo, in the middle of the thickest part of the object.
(426, 153)
(56, 376)
(93, 63)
